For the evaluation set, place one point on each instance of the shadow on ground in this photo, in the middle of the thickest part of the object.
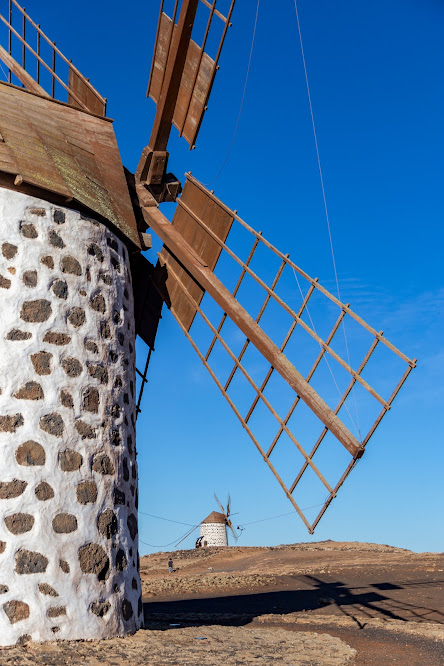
(357, 603)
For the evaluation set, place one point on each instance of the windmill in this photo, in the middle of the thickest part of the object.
(76, 290)
(213, 529)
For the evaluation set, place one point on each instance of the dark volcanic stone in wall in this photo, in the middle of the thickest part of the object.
(40, 212)
(85, 430)
(30, 278)
(63, 564)
(44, 491)
(77, 317)
(98, 304)
(71, 266)
(132, 525)
(64, 523)
(30, 562)
(119, 497)
(30, 391)
(107, 523)
(9, 251)
(56, 611)
(2, 547)
(16, 611)
(30, 453)
(5, 283)
(52, 424)
(60, 289)
(91, 346)
(19, 523)
(66, 399)
(28, 230)
(102, 464)
(11, 423)
(47, 261)
(91, 400)
(42, 362)
(59, 216)
(72, 367)
(4, 589)
(59, 339)
(86, 492)
(56, 240)
(95, 251)
(16, 335)
(11, 489)
(121, 561)
(127, 610)
(70, 460)
(47, 590)
(98, 372)
(100, 608)
(36, 311)
(94, 560)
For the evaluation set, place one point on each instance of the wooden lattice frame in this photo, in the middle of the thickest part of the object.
(324, 349)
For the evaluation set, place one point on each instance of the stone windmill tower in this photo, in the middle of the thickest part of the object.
(213, 529)
(75, 291)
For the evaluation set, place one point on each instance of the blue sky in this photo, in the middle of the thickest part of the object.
(375, 73)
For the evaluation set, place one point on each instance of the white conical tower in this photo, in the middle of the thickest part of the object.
(213, 530)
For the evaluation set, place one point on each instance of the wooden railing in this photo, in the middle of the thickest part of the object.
(24, 46)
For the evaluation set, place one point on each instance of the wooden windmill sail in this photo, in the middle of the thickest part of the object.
(77, 223)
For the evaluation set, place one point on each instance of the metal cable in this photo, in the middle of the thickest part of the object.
(242, 100)
(324, 198)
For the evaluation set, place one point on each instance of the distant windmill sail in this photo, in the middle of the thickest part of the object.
(198, 237)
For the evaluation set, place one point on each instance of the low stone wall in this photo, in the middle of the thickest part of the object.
(68, 474)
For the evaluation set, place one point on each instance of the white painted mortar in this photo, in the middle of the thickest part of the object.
(76, 590)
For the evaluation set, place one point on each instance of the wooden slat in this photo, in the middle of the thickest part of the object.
(209, 282)
(204, 246)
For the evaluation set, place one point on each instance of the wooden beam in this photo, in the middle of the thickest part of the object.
(173, 76)
(21, 74)
(206, 278)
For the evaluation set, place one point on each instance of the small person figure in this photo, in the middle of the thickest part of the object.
(170, 565)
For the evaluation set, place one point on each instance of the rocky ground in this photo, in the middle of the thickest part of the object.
(323, 604)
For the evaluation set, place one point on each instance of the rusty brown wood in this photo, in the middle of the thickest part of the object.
(206, 250)
(38, 53)
(208, 281)
(308, 378)
(53, 71)
(282, 348)
(196, 73)
(156, 42)
(38, 133)
(245, 426)
(337, 409)
(303, 274)
(256, 389)
(10, 39)
(287, 308)
(370, 433)
(216, 11)
(235, 290)
(174, 69)
(24, 42)
(258, 318)
(20, 73)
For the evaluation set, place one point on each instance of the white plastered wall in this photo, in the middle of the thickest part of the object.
(68, 476)
(215, 534)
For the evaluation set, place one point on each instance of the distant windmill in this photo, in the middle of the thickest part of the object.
(76, 289)
(213, 530)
